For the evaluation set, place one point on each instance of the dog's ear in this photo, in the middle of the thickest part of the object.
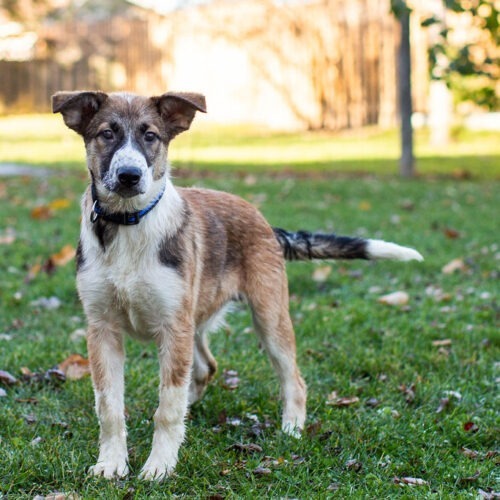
(78, 108)
(177, 110)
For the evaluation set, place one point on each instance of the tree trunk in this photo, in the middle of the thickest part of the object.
(407, 161)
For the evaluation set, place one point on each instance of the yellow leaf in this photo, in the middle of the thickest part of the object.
(59, 203)
(365, 205)
(75, 367)
(64, 255)
(395, 299)
(321, 273)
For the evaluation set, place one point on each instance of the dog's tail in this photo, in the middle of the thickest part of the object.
(304, 245)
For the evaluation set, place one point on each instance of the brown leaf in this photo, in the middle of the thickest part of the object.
(354, 465)
(341, 402)
(469, 453)
(42, 212)
(470, 427)
(262, 471)
(75, 367)
(65, 255)
(471, 479)
(246, 448)
(451, 233)
(408, 391)
(6, 378)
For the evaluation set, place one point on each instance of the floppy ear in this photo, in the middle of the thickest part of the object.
(78, 107)
(177, 110)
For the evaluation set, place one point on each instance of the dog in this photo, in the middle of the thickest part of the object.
(162, 264)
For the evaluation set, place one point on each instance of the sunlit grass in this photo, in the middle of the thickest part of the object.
(44, 140)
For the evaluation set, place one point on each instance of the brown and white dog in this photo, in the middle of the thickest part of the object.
(162, 263)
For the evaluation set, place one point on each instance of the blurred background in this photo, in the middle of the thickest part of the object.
(293, 65)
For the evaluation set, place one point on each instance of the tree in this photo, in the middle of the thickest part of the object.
(407, 160)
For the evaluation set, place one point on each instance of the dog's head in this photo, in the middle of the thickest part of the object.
(126, 135)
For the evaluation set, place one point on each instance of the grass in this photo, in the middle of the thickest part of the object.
(43, 140)
(347, 342)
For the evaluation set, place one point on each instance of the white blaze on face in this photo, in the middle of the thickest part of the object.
(129, 156)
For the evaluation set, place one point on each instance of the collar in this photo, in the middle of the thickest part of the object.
(123, 218)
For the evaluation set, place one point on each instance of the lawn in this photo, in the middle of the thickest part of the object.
(425, 374)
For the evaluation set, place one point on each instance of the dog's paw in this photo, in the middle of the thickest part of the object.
(155, 472)
(292, 430)
(109, 470)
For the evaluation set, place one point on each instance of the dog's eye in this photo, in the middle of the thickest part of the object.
(108, 134)
(149, 136)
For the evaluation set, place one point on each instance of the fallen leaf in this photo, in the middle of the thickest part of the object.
(59, 203)
(65, 255)
(365, 205)
(455, 394)
(441, 343)
(75, 367)
(469, 453)
(30, 419)
(26, 371)
(246, 448)
(341, 402)
(471, 479)
(230, 379)
(42, 212)
(33, 272)
(6, 378)
(414, 481)
(3, 392)
(470, 427)
(50, 303)
(398, 298)
(408, 391)
(489, 495)
(372, 402)
(333, 487)
(262, 471)
(454, 265)
(6, 336)
(354, 465)
(321, 273)
(443, 404)
(451, 233)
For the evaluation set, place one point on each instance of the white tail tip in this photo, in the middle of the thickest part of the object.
(379, 249)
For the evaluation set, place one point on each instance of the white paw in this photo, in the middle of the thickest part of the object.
(109, 470)
(292, 430)
(155, 471)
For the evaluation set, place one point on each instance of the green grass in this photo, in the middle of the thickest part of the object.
(347, 342)
(44, 140)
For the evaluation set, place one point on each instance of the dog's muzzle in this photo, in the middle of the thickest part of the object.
(128, 176)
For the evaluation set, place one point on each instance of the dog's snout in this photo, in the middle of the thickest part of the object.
(129, 176)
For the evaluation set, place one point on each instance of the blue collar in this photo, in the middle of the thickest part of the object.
(123, 218)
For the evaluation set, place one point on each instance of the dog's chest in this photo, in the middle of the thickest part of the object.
(127, 284)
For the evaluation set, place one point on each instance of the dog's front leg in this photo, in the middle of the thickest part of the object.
(106, 356)
(175, 350)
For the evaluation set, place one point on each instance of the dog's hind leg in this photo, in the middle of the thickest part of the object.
(268, 298)
(204, 367)
(106, 355)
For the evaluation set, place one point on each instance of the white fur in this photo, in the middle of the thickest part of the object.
(169, 433)
(379, 249)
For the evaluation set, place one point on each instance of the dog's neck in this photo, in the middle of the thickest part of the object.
(126, 218)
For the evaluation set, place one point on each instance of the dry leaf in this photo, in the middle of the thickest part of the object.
(395, 299)
(246, 448)
(3, 393)
(414, 481)
(443, 404)
(6, 378)
(65, 255)
(471, 479)
(489, 495)
(470, 427)
(59, 203)
(454, 265)
(334, 400)
(262, 471)
(451, 233)
(365, 206)
(354, 465)
(408, 391)
(8, 237)
(42, 212)
(469, 453)
(441, 343)
(321, 273)
(75, 367)
(231, 379)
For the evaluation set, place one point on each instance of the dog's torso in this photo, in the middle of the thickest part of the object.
(190, 254)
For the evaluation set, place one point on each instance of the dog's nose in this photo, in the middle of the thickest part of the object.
(129, 176)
